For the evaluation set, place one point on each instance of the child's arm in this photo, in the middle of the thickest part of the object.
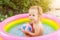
(37, 32)
(29, 33)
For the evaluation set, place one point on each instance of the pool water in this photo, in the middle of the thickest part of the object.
(18, 32)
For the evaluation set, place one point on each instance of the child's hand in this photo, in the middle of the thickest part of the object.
(25, 31)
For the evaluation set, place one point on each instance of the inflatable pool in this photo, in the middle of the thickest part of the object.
(13, 21)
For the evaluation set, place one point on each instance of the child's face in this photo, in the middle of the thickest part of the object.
(33, 15)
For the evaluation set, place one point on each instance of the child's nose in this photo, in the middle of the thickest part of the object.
(30, 16)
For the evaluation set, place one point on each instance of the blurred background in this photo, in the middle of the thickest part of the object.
(10, 8)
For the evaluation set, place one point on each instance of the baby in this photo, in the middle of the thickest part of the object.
(35, 15)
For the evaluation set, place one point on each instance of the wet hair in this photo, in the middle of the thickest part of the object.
(39, 8)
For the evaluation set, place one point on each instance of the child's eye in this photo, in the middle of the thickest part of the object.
(29, 14)
(33, 15)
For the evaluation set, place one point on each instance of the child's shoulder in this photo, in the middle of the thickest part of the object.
(40, 23)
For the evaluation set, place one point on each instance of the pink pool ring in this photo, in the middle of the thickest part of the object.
(12, 20)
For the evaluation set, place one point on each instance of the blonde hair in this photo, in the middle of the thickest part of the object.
(39, 8)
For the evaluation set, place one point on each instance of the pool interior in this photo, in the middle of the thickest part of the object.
(16, 31)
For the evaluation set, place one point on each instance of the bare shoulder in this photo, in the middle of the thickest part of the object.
(41, 28)
(40, 25)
